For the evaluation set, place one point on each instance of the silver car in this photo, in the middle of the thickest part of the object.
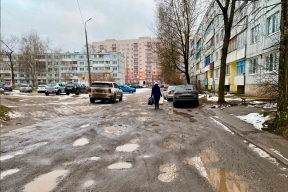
(185, 94)
(41, 89)
(25, 88)
(169, 93)
(55, 88)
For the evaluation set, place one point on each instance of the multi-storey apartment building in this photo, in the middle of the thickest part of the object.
(253, 47)
(140, 62)
(64, 67)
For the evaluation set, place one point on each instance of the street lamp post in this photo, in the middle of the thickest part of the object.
(89, 74)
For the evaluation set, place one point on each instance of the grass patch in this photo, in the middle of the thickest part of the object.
(4, 113)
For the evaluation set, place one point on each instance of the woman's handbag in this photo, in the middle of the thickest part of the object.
(150, 101)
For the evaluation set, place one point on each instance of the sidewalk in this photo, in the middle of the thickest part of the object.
(276, 146)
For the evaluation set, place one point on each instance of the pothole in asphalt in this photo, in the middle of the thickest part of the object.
(120, 165)
(177, 135)
(172, 145)
(185, 115)
(167, 173)
(127, 147)
(174, 120)
(228, 179)
(86, 125)
(46, 182)
(81, 142)
(88, 183)
(94, 158)
(124, 113)
(111, 129)
(144, 113)
(157, 131)
(154, 124)
(103, 117)
(135, 140)
(8, 172)
(143, 118)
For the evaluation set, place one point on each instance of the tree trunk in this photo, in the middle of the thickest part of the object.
(282, 103)
(12, 69)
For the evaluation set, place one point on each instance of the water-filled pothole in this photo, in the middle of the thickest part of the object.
(111, 129)
(120, 165)
(8, 172)
(185, 115)
(88, 183)
(154, 124)
(167, 172)
(172, 145)
(127, 147)
(177, 135)
(46, 182)
(81, 142)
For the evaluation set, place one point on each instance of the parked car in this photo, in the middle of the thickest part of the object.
(76, 88)
(185, 94)
(161, 85)
(41, 89)
(1, 90)
(55, 88)
(136, 86)
(105, 91)
(7, 87)
(126, 88)
(169, 93)
(165, 87)
(25, 88)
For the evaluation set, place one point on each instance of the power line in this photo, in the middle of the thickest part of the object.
(80, 12)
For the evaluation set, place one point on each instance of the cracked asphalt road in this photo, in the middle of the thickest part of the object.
(126, 146)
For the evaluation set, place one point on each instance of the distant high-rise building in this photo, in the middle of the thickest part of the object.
(140, 62)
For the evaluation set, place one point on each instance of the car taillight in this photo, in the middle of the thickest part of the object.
(169, 92)
(194, 92)
(75, 86)
(56, 87)
(89, 89)
(177, 93)
(109, 90)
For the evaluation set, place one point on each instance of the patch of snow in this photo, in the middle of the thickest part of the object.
(270, 105)
(226, 128)
(263, 154)
(201, 95)
(214, 98)
(139, 91)
(255, 119)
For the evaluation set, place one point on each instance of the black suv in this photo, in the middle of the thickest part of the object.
(76, 88)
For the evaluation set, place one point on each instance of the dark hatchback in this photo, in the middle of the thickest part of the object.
(185, 94)
(7, 88)
(75, 88)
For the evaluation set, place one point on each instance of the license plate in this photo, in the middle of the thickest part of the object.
(69, 87)
(186, 94)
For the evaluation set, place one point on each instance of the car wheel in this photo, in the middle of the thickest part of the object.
(174, 104)
(67, 93)
(46, 94)
(130, 91)
(59, 92)
(114, 99)
(197, 103)
(121, 98)
(92, 100)
(77, 93)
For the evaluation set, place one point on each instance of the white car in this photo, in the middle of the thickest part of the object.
(25, 88)
(41, 89)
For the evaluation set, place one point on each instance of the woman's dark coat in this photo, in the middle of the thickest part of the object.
(156, 93)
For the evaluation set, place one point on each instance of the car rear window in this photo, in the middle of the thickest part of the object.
(42, 86)
(102, 85)
(185, 87)
(24, 85)
(70, 84)
(51, 85)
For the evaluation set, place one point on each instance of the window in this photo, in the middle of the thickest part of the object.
(115, 68)
(216, 73)
(198, 55)
(81, 69)
(241, 40)
(81, 57)
(273, 23)
(227, 69)
(207, 60)
(253, 66)
(255, 34)
(198, 44)
(241, 66)
(232, 45)
(81, 63)
(208, 29)
(271, 61)
(192, 43)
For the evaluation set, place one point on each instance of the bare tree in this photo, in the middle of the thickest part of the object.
(32, 51)
(9, 49)
(282, 103)
(175, 21)
(228, 9)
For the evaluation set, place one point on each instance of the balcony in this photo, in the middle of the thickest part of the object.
(206, 81)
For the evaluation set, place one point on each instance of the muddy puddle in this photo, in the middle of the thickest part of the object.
(120, 165)
(154, 124)
(103, 116)
(172, 145)
(8, 172)
(167, 173)
(177, 135)
(111, 129)
(46, 182)
(220, 178)
(86, 125)
(185, 115)
(142, 118)
(81, 142)
(94, 158)
(127, 147)
(174, 120)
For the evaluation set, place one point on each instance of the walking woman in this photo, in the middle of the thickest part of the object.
(156, 93)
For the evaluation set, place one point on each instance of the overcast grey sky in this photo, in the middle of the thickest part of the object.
(61, 20)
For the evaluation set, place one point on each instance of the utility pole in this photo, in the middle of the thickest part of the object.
(89, 73)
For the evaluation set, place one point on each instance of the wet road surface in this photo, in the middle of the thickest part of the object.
(65, 143)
